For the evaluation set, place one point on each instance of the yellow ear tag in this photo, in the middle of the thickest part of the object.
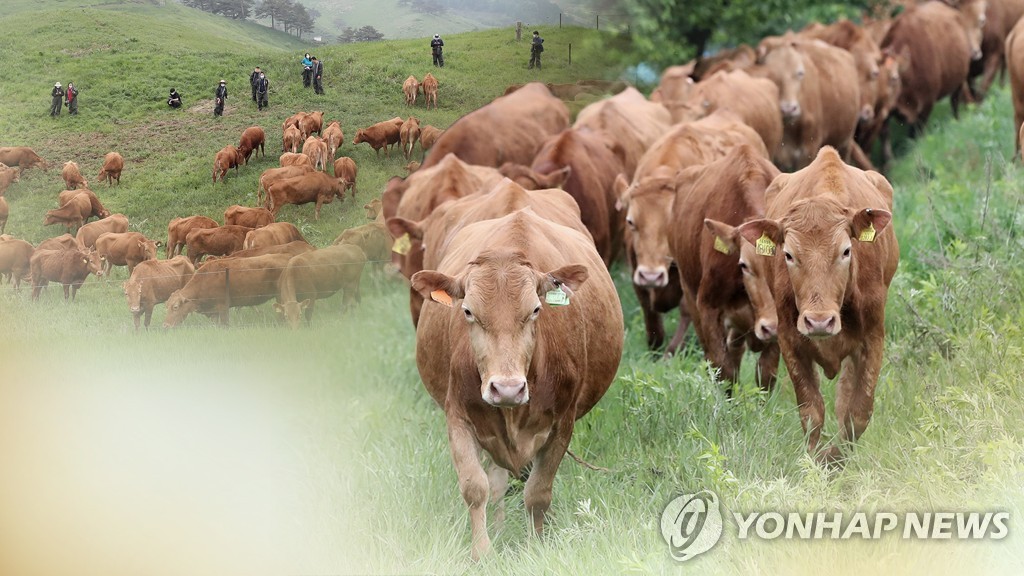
(721, 246)
(441, 297)
(867, 234)
(556, 297)
(402, 244)
(764, 246)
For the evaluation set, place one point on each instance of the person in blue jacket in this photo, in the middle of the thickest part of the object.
(307, 70)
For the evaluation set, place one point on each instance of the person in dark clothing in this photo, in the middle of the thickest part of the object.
(536, 47)
(252, 81)
(56, 99)
(219, 98)
(318, 73)
(262, 90)
(72, 99)
(174, 100)
(436, 47)
(307, 70)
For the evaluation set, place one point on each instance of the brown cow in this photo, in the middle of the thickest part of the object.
(228, 157)
(69, 267)
(219, 241)
(88, 233)
(373, 209)
(411, 88)
(313, 187)
(628, 120)
(178, 229)
(72, 177)
(511, 373)
(249, 217)
(291, 139)
(729, 306)
(272, 235)
(409, 134)
(509, 129)
(21, 156)
(5, 212)
(152, 282)
(71, 214)
(428, 136)
(381, 135)
(96, 208)
(316, 275)
(295, 159)
(312, 122)
(271, 175)
(7, 176)
(429, 86)
(124, 249)
(113, 163)
(292, 248)
(225, 283)
(1000, 18)
(62, 242)
(252, 140)
(674, 86)
(334, 138)
(15, 255)
(345, 171)
(831, 256)
(295, 120)
(316, 150)
(867, 57)
(1015, 65)
(887, 90)
(373, 239)
(738, 58)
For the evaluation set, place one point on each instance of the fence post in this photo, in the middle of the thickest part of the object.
(570, 53)
(519, 31)
(559, 19)
(227, 296)
(597, 22)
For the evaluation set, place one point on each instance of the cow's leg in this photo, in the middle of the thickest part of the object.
(993, 65)
(735, 344)
(855, 396)
(768, 366)
(472, 481)
(537, 494)
(316, 213)
(804, 374)
(680, 334)
(66, 288)
(135, 319)
(498, 479)
(149, 316)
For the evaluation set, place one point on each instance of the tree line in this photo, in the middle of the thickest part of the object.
(293, 17)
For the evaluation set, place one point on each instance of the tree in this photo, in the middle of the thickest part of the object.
(273, 9)
(301, 20)
(368, 34)
(347, 36)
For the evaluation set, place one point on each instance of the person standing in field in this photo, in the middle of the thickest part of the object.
(56, 99)
(536, 47)
(262, 90)
(307, 70)
(72, 99)
(220, 96)
(252, 81)
(436, 48)
(318, 73)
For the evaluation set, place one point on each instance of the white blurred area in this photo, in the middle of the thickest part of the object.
(168, 465)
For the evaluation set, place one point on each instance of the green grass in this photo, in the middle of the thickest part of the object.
(259, 450)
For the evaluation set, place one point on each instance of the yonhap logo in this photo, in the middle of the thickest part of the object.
(691, 524)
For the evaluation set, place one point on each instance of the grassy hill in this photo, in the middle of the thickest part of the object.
(259, 450)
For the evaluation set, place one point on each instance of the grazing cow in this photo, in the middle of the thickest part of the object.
(312, 122)
(7, 176)
(628, 120)
(271, 175)
(272, 235)
(62, 242)
(71, 214)
(252, 140)
(21, 156)
(1000, 18)
(512, 373)
(15, 255)
(124, 249)
(728, 305)
(410, 88)
(225, 283)
(334, 138)
(509, 129)
(295, 159)
(291, 139)
(219, 241)
(409, 134)
(429, 87)
(316, 275)
(381, 135)
(345, 171)
(295, 121)
(5, 212)
(316, 150)
(249, 217)
(178, 229)
(292, 248)
(1015, 65)
(96, 209)
(819, 97)
(152, 282)
(830, 255)
(88, 233)
(72, 177)
(373, 239)
(228, 157)
(373, 209)
(428, 136)
(313, 187)
(113, 163)
(69, 267)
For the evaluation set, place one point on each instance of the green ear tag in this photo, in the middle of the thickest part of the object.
(402, 244)
(867, 234)
(764, 246)
(721, 246)
(556, 297)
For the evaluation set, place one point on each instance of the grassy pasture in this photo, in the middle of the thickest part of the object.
(258, 450)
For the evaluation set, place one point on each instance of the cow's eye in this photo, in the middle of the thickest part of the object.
(789, 256)
(469, 315)
(630, 222)
(743, 267)
(536, 311)
(846, 253)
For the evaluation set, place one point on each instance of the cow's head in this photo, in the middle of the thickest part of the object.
(410, 258)
(754, 271)
(648, 205)
(785, 66)
(818, 240)
(291, 312)
(360, 137)
(178, 308)
(372, 208)
(502, 297)
(148, 248)
(93, 261)
(973, 20)
(133, 292)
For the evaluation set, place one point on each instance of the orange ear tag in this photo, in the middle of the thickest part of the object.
(441, 297)
(402, 244)
(721, 246)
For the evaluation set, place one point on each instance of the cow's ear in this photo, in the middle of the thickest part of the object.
(279, 308)
(569, 278)
(558, 178)
(428, 281)
(727, 238)
(159, 243)
(621, 191)
(766, 235)
(305, 304)
(399, 227)
(867, 223)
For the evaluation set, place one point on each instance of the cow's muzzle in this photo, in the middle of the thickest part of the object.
(506, 391)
